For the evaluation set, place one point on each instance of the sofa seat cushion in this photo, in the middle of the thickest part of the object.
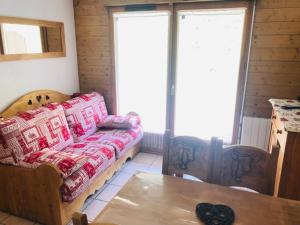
(84, 113)
(100, 157)
(121, 122)
(34, 130)
(122, 140)
(67, 163)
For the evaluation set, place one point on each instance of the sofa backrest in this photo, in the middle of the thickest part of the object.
(33, 130)
(84, 114)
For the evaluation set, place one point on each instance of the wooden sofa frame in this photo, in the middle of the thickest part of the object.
(35, 193)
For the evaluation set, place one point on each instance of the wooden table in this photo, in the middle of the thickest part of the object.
(149, 199)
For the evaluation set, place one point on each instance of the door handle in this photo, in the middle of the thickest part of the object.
(173, 90)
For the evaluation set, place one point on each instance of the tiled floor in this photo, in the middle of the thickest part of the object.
(95, 204)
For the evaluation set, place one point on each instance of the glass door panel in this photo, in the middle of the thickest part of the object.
(141, 63)
(208, 61)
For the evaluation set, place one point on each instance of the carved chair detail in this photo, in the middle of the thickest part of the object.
(188, 155)
(237, 165)
(247, 167)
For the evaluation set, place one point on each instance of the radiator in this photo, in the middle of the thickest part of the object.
(152, 142)
(256, 132)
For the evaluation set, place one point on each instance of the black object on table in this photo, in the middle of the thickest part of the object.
(290, 107)
(215, 214)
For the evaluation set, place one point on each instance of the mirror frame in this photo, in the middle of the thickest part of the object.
(41, 23)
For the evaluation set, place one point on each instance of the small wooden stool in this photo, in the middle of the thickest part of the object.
(81, 219)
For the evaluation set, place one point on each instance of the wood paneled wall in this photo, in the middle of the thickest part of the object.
(93, 48)
(275, 59)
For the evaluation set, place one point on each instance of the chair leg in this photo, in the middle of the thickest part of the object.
(79, 219)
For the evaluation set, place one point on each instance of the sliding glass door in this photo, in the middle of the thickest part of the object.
(180, 65)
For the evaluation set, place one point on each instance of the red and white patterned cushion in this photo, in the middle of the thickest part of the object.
(121, 140)
(84, 113)
(6, 154)
(74, 185)
(100, 157)
(122, 122)
(66, 162)
(35, 130)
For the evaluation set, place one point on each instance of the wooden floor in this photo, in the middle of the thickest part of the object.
(95, 204)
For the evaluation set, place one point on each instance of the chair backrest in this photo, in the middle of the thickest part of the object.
(246, 166)
(188, 155)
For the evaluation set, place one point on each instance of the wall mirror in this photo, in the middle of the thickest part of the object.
(22, 39)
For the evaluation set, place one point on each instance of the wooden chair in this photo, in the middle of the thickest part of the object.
(81, 219)
(188, 155)
(245, 166)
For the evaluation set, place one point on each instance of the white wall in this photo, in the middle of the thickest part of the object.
(61, 74)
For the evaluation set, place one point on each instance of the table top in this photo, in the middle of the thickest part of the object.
(149, 199)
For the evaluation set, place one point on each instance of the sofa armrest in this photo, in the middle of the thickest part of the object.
(32, 193)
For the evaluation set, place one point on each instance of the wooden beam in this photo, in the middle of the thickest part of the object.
(137, 2)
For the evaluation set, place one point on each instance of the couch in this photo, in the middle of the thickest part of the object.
(55, 151)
